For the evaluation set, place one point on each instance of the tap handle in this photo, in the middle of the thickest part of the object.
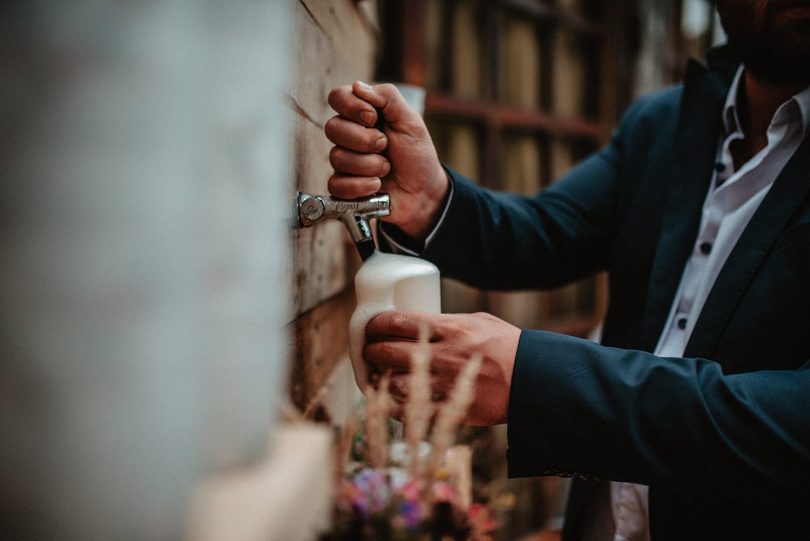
(313, 208)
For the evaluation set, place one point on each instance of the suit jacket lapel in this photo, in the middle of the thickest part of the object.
(699, 129)
(788, 192)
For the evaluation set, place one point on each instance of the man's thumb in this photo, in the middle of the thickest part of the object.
(386, 98)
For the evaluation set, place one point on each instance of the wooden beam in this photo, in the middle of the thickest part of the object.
(544, 12)
(510, 117)
(530, 8)
(413, 43)
(491, 153)
(492, 51)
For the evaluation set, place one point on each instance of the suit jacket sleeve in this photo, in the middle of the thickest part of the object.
(679, 424)
(495, 240)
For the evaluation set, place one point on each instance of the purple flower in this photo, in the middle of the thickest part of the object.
(412, 513)
(372, 491)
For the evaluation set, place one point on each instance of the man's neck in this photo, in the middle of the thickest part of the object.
(761, 99)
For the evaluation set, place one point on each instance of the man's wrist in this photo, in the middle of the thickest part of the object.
(429, 209)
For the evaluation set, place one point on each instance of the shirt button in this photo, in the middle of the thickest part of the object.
(705, 248)
(682, 323)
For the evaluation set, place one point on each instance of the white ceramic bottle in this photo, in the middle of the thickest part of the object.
(389, 282)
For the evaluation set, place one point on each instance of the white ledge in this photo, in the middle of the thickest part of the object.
(288, 496)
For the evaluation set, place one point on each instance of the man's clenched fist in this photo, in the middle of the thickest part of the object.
(400, 160)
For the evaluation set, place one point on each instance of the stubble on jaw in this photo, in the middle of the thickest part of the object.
(772, 37)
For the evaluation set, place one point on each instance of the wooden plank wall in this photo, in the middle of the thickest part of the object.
(514, 100)
(336, 43)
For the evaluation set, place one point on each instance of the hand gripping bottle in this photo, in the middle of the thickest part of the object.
(389, 282)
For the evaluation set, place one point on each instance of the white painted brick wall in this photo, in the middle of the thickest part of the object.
(144, 152)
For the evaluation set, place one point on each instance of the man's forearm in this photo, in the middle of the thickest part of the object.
(679, 424)
(496, 240)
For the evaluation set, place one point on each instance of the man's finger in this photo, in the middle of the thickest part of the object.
(357, 163)
(352, 107)
(397, 412)
(353, 136)
(349, 187)
(389, 355)
(398, 385)
(401, 325)
(385, 97)
(374, 377)
(442, 385)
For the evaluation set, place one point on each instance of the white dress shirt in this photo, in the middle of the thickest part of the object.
(733, 198)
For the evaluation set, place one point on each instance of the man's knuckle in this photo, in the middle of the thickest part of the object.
(337, 94)
(371, 353)
(331, 127)
(370, 140)
(337, 158)
(372, 327)
(388, 353)
(388, 88)
(334, 183)
(383, 166)
(397, 320)
(375, 352)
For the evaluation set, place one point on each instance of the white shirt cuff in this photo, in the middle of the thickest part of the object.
(398, 248)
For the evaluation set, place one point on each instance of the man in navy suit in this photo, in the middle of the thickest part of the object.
(692, 419)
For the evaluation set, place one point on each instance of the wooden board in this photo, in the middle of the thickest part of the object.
(321, 256)
(350, 25)
(319, 252)
(335, 46)
(521, 174)
(321, 339)
(570, 76)
(562, 158)
(327, 60)
(521, 169)
(463, 150)
(465, 65)
(435, 43)
(524, 309)
(458, 298)
(520, 84)
(312, 167)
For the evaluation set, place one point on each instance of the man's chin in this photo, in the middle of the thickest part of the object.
(780, 73)
(775, 64)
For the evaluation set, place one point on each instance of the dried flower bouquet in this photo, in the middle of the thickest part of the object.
(412, 489)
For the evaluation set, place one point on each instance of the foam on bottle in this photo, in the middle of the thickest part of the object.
(389, 282)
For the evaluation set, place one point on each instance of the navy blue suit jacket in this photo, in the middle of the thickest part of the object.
(722, 436)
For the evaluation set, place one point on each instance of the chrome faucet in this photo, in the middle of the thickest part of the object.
(355, 215)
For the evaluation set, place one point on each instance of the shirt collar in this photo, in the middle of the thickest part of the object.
(731, 119)
(803, 100)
